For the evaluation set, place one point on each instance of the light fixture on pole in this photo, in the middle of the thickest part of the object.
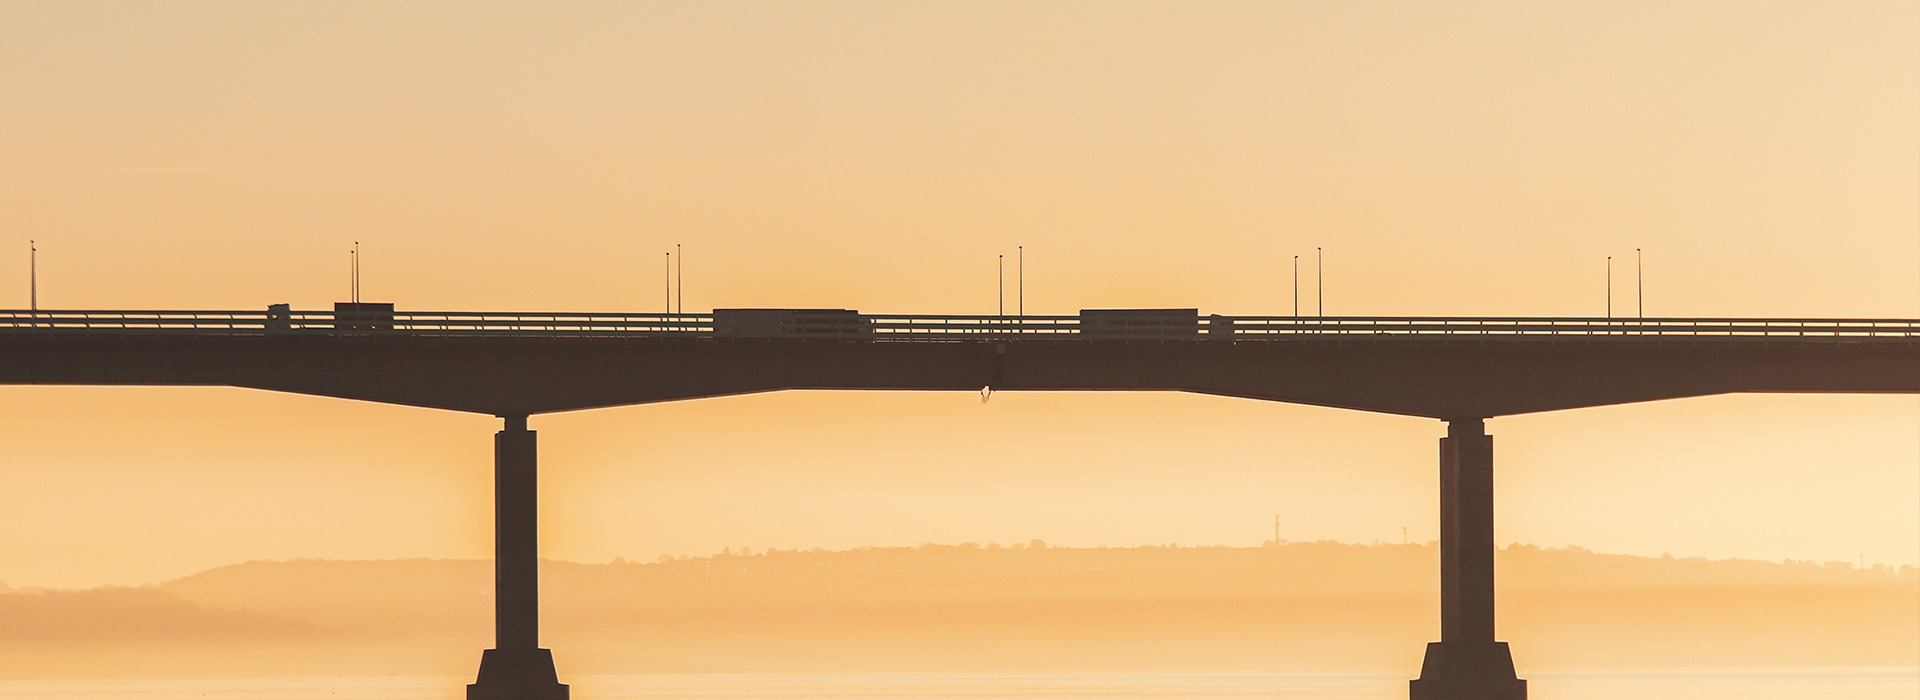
(1023, 286)
(1609, 286)
(1639, 284)
(1296, 286)
(679, 280)
(1320, 280)
(1000, 286)
(669, 283)
(356, 272)
(33, 276)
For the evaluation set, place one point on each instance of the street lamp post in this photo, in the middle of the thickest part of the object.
(1296, 286)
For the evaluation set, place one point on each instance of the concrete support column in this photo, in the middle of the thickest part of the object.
(516, 668)
(1467, 664)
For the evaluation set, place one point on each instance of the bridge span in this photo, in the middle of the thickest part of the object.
(513, 365)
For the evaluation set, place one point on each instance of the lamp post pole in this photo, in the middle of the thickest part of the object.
(1639, 284)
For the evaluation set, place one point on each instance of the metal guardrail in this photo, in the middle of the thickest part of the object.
(844, 326)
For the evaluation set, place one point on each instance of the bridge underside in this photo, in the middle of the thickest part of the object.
(543, 375)
(1462, 384)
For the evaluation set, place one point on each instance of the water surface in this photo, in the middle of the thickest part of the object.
(1730, 684)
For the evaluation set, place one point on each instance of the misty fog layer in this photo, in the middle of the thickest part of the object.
(1301, 606)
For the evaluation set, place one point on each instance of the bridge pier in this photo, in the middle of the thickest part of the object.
(1467, 664)
(516, 668)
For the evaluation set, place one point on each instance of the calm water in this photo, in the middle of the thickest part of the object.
(1750, 684)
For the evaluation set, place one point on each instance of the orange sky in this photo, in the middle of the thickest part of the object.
(1472, 158)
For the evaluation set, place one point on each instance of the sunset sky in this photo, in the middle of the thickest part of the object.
(1467, 158)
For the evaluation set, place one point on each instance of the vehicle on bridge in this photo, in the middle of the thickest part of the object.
(362, 316)
(788, 323)
(1140, 324)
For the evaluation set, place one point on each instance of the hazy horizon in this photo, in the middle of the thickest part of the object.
(970, 608)
(745, 550)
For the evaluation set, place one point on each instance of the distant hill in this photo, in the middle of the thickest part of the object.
(114, 614)
(1301, 606)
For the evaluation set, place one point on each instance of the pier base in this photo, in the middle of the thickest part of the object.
(517, 674)
(1466, 671)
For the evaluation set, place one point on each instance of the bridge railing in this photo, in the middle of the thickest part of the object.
(850, 326)
(1256, 327)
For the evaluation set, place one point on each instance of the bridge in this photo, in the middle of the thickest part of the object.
(513, 365)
